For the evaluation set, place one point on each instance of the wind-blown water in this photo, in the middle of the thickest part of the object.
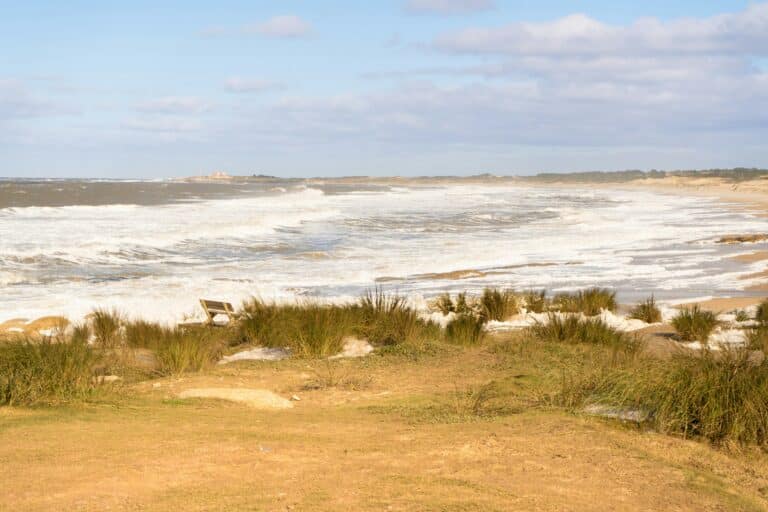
(280, 240)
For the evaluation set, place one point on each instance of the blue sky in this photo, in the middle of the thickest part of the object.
(406, 87)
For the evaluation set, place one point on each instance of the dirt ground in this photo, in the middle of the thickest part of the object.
(380, 433)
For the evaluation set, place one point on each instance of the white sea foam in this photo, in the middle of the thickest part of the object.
(157, 261)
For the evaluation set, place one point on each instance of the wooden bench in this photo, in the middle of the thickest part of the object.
(214, 308)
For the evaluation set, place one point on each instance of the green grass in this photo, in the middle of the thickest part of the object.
(465, 330)
(757, 338)
(45, 372)
(647, 311)
(695, 324)
(385, 319)
(191, 350)
(590, 302)
(498, 304)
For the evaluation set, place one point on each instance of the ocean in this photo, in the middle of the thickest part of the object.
(153, 248)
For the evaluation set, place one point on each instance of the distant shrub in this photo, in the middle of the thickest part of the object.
(695, 324)
(590, 302)
(465, 330)
(741, 315)
(45, 372)
(498, 304)
(647, 311)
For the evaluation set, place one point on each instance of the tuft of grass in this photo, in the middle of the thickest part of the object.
(45, 372)
(694, 324)
(496, 304)
(105, 326)
(387, 320)
(761, 314)
(757, 338)
(466, 330)
(535, 301)
(647, 311)
(590, 302)
(181, 351)
(143, 334)
(741, 315)
(573, 329)
(444, 304)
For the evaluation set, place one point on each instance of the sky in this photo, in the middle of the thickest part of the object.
(148, 89)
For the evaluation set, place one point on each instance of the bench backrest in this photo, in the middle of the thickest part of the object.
(215, 307)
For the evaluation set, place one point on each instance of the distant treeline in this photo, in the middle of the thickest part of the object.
(735, 175)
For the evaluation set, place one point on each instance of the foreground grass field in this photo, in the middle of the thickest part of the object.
(449, 428)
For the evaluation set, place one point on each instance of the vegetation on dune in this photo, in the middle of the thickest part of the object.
(647, 311)
(189, 350)
(590, 302)
(535, 301)
(695, 324)
(574, 329)
(466, 330)
(498, 304)
(35, 372)
(761, 315)
(757, 338)
(105, 327)
(388, 320)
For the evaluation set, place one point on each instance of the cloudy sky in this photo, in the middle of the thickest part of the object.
(408, 87)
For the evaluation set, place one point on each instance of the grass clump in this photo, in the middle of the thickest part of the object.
(461, 306)
(535, 301)
(45, 372)
(590, 302)
(387, 320)
(695, 324)
(496, 304)
(465, 330)
(105, 327)
(647, 311)
(757, 338)
(181, 351)
(761, 315)
(573, 329)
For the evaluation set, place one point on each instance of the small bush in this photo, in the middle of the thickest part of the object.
(741, 315)
(646, 311)
(498, 304)
(535, 301)
(105, 326)
(445, 304)
(590, 302)
(694, 324)
(465, 330)
(45, 372)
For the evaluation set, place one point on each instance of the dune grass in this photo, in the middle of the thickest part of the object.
(574, 329)
(535, 301)
(590, 302)
(757, 338)
(761, 315)
(465, 330)
(45, 372)
(695, 324)
(105, 327)
(647, 311)
(498, 304)
(186, 350)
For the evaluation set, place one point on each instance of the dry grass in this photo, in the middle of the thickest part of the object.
(590, 302)
(695, 324)
(647, 311)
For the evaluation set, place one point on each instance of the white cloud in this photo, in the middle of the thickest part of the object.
(175, 105)
(250, 85)
(744, 32)
(285, 26)
(448, 6)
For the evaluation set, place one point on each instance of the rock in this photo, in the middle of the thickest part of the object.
(258, 354)
(606, 411)
(256, 398)
(354, 347)
(295, 398)
(106, 379)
